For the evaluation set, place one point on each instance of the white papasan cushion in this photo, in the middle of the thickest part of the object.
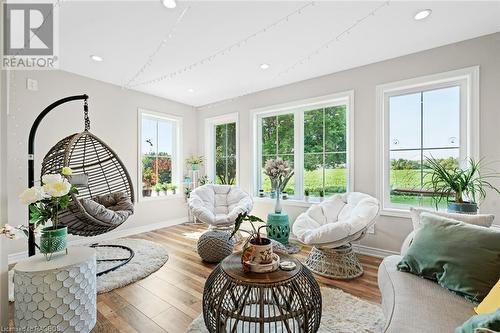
(219, 204)
(338, 217)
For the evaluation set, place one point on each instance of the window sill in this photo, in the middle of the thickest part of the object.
(160, 198)
(289, 202)
(395, 212)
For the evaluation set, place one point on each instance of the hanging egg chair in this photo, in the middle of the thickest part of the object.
(105, 193)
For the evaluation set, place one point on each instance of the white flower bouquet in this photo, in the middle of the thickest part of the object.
(47, 200)
(279, 172)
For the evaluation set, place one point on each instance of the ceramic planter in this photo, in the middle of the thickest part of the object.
(462, 207)
(53, 239)
(146, 192)
(262, 253)
(195, 167)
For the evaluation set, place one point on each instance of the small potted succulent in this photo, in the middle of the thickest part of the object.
(195, 162)
(158, 188)
(465, 186)
(45, 202)
(306, 195)
(321, 195)
(164, 188)
(257, 249)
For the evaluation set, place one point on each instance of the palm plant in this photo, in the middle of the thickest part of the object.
(460, 184)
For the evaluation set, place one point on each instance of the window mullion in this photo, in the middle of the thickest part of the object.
(299, 153)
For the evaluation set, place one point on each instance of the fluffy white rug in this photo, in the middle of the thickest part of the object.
(149, 257)
(342, 313)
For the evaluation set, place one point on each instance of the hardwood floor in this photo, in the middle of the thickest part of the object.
(169, 299)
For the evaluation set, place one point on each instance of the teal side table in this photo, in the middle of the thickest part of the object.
(278, 227)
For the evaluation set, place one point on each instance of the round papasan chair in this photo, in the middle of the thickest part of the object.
(330, 227)
(219, 205)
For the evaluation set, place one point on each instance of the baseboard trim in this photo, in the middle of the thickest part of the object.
(15, 257)
(372, 251)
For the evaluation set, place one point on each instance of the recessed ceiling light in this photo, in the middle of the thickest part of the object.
(422, 14)
(264, 66)
(96, 58)
(169, 3)
(191, 90)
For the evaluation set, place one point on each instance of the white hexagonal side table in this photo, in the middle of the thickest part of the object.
(57, 295)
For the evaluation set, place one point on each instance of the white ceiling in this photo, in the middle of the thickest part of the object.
(127, 33)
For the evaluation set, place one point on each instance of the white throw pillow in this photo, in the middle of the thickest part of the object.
(484, 220)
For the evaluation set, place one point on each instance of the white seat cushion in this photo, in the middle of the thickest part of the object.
(337, 218)
(219, 204)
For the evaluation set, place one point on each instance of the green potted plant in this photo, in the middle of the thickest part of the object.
(158, 188)
(256, 249)
(465, 187)
(187, 193)
(45, 202)
(195, 162)
(173, 187)
(306, 195)
(321, 195)
(204, 180)
(147, 179)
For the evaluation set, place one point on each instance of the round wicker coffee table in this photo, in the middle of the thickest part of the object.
(281, 301)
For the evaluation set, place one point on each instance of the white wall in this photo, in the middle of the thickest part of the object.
(3, 200)
(390, 231)
(113, 115)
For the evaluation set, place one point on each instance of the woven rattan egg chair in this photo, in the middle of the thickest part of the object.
(105, 193)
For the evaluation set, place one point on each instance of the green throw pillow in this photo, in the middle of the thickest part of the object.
(490, 321)
(461, 257)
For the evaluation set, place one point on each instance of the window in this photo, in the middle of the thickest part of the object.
(428, 117)
(277, 141)
(222, 149)
(325, 154)
(159, 151)
(313, 137)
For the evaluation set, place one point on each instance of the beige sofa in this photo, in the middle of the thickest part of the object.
(415, 305)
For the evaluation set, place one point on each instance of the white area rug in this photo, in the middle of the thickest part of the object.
(342, 313)
(149, 257)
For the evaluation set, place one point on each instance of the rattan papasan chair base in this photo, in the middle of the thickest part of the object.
(330, 227)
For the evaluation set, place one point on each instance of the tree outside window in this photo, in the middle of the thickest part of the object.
(325, 152)
(225, 153)
(156, 155)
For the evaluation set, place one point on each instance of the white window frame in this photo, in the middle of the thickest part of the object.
(177, 160)
(210, 124)
(298, 108)
(468, 80)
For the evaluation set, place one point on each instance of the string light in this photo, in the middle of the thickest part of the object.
(168, 36)
(225, 50)
(308, 57)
